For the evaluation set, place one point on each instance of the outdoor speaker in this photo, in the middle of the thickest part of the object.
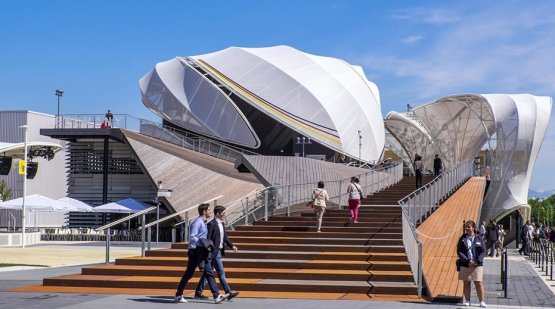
(32, 168)
(5, 165)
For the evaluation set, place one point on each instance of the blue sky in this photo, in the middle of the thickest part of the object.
(415, 51)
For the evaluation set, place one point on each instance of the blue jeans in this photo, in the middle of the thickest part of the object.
(219, 267)
(197, 257)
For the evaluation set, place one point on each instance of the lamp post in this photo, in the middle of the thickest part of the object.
(303, 141)
(359, 147)
(24, 127)
(59, 93)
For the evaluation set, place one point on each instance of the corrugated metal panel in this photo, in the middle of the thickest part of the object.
(51, 176)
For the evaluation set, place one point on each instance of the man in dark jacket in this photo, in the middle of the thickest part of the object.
(438, 165)
(492, 236)
(218, 235)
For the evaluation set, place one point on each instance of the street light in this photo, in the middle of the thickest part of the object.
(359, 147)
(303, 141)
(59, 93)
(24, 127)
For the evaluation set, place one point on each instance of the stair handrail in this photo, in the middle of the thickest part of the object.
(187, 140)
(185, 221)
(259, 204)
(418, 204)
(107, 227)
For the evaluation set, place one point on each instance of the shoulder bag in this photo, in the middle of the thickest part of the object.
(311, 203)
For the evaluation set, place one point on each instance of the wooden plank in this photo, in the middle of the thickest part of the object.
(439, 235)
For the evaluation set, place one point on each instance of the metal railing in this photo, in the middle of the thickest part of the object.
(419, 204)
(107, 228)
(260, 204)
(192, 141)
(92, 121)
(185, 221)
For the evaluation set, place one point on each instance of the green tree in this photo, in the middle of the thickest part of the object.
(5, 192)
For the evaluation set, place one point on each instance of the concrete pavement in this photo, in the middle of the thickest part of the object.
(526, 287)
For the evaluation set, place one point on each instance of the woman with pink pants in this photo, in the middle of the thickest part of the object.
(355, 194)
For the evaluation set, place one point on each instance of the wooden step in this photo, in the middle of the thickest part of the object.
(370, 226)
(310, 229)
(326, 240)
(281, 285)
(258, 273)
(310, 247)
(273, 263)
(305, 255)
(278, 231)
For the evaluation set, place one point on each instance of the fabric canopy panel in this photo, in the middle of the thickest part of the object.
(413, 138)
(459, 125)
(222, 94)
(522, 121)
(37, 202)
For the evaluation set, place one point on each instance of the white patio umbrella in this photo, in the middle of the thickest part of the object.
(77, 204)
(114, 207)
(37, 202)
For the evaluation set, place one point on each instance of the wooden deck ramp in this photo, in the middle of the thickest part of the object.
(439, 235)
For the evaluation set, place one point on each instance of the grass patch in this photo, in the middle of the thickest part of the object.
(10, 264)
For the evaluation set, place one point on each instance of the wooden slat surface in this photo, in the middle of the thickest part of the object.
(439, 234)
(194, 177)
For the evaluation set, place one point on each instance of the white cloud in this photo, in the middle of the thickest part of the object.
(497, 50)
(426, 15)
(412, 40)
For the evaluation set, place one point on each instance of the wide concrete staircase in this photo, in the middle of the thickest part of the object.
(286, 257)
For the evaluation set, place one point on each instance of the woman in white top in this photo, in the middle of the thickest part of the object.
(355, 194)
(319, 196)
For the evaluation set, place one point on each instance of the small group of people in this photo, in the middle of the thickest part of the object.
(206, 247)
(530, 232)
(320, 196)
(418, 166)
(494, 235)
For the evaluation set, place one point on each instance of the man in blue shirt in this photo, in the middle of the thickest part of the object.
(199, 256)
(217, 234)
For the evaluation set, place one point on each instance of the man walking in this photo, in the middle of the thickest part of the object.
(438, 165)
(199, 255)
(217, 234)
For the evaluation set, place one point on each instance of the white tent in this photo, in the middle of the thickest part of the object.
(77, 204)
(37, 202)
(128, 205)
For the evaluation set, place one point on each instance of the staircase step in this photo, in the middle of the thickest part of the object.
(326, 240)
(369, 226)
(305, 255)
(280, 285)
(310, 247)
(255, 273)
(298, 231)
(273, 263)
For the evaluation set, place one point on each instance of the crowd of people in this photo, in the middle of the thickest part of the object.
(530, 232)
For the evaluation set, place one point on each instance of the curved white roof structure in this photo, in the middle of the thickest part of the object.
(222, 94)
(510, 126)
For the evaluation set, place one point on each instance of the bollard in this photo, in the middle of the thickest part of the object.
(506, 277)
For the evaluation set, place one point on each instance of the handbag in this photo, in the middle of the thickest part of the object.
(311, 203)
(458, 264)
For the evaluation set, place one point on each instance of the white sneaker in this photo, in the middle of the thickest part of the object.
(180, 299)
(220, 298)
(483, 304)
(466, 303)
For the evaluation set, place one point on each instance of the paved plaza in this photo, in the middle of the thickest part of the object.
(527, 289)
